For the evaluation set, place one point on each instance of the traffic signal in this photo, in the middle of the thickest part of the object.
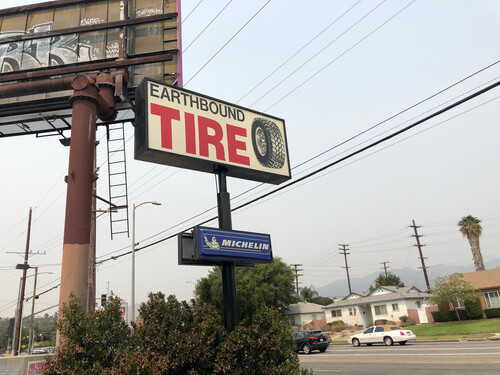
(103, 299)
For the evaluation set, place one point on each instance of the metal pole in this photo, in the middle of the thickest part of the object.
(76, 247)
(228, 269)
(14, 333)
(23, 285)
(30, 342)
(132, 296)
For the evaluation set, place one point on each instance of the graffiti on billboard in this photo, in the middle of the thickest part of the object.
(51, 51)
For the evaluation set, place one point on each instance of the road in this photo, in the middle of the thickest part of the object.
(464, 357)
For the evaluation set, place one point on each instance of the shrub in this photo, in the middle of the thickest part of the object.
(492, 313)
(473, 308)
(338, 326)
(173, 339)
(437, 316)
(406, 321)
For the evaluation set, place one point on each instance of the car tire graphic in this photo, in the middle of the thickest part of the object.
(268, 143)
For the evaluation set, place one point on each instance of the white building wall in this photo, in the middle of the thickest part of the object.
(345, 317)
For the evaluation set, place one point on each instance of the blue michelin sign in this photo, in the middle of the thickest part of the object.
(233, 245)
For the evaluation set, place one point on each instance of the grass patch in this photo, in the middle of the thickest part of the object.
(455, 329)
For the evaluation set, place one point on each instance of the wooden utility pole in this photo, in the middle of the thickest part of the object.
(417, 237)
(344, 251)
(297, 270)
(385, 267)
(23, 285)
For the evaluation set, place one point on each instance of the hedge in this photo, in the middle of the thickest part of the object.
(492, 313)
(449, 316)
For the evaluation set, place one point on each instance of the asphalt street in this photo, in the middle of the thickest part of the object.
(458, 357)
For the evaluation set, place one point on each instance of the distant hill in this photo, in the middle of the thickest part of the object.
(339, 289)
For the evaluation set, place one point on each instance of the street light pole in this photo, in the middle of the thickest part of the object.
(132, 296)
(30, 340)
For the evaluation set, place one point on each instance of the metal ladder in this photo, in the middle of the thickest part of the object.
(117, 171)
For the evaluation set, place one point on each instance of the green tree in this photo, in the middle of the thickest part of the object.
(269, 284)
(308, 293)
(449, 289)
(387, 280)
(322, 300)
(470, 227)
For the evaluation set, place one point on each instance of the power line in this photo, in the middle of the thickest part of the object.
(320, 51)
(206, 27)
(339, 56)
(298, 51)
(185, 19)
(225, 44)
(319, 170)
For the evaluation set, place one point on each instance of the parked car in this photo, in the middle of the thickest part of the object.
(383, 334)
(307, 341)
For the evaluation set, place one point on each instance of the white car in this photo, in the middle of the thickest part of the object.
(383, 334)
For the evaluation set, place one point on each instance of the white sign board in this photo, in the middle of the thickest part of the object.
(185, 129)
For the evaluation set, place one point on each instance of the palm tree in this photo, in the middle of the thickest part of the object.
(308, 293)
(470, 228)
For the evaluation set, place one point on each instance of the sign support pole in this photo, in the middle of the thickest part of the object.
(228, 269)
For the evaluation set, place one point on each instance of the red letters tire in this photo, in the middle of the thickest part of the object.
(268, 143)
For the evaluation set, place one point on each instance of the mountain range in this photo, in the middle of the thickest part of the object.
(339, 288)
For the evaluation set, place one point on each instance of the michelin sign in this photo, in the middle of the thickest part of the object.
(209, 246)
(185, 129)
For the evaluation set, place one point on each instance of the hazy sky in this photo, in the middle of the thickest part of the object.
(362, 70)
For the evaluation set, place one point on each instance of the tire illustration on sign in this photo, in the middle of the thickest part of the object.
(268, 143)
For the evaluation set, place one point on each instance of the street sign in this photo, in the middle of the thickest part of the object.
(185, 129)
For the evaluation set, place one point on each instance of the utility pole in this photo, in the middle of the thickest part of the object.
(23, 285)
(344, 251)
(417, 237)
(385, 267)
(297, 274)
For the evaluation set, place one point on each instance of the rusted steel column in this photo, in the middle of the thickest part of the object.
(75, 260)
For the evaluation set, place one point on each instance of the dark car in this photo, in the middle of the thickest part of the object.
(307, 341)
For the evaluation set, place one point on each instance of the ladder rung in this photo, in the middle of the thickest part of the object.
(116, 162)
(123, 231)
(118, 196)
(116, 221)
(116, 139)
(115, 185)
(117, 173)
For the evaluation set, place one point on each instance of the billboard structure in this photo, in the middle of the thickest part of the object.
(189, 130)
(61, 38)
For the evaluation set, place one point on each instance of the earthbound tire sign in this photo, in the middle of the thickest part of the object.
(189, 130)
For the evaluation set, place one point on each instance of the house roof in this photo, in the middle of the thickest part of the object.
(381, 294)
(486, 279)
(304, 308)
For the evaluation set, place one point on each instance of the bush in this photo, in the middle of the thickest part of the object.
(492, 313)
(474, 310)
(173, 339)
(406, 321)
(437, 316)
(337, 326)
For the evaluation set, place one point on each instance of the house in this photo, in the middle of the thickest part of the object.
(488, 282)
(305, 312)
(384, 302)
